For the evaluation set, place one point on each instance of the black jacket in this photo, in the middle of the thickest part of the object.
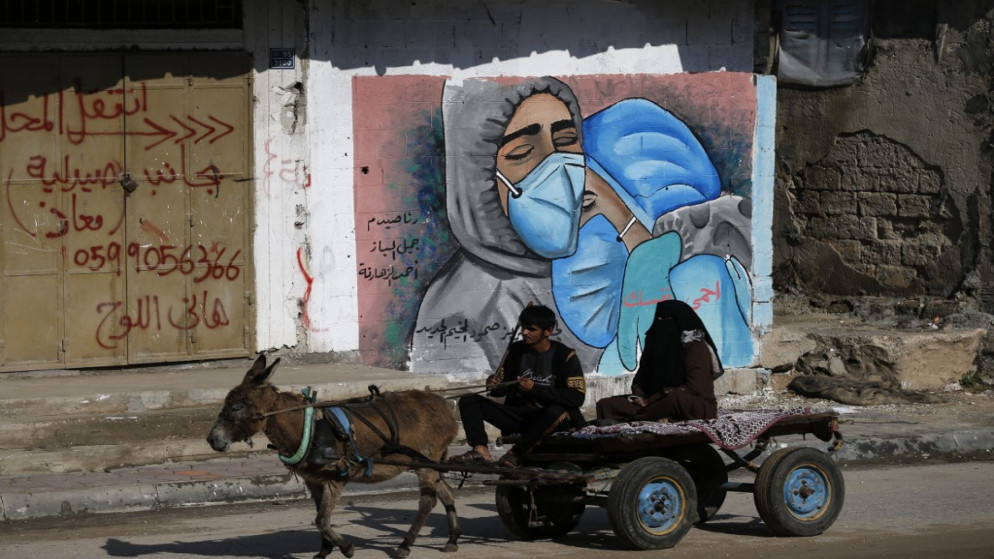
(567, 389)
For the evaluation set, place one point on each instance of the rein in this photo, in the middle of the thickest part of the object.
(376, 392)
(472, 388)
(330, 403)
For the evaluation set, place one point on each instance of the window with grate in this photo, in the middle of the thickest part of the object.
(121, 14)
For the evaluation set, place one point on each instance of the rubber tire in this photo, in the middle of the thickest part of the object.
(635, 519)
(778, 501)
(555, 516)
(708, 471)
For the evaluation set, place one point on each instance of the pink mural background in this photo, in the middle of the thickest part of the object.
(402, 239)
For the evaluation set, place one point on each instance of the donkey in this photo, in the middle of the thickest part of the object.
(420, 424)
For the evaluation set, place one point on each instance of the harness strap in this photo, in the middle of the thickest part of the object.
(392, 440)
(341, 415)
(342, 419)
(305, 440)
(392, 445)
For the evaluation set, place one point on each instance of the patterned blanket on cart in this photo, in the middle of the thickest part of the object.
(731, 430)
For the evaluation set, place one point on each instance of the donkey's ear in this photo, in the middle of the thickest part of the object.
(259, 373)
(269, 371)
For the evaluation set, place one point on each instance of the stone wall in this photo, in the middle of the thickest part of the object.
(884, 186)
(877, 211)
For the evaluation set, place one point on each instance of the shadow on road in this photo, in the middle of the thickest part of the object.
(277, 545)
(382, 529)
(389, 525)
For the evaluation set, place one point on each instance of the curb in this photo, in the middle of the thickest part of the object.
(919, 448)
(148, 496)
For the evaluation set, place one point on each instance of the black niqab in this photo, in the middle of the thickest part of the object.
(662, 364)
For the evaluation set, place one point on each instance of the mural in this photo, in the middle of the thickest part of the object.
(598, 196)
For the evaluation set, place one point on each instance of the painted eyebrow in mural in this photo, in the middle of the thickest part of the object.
(533, 129)
(530, 130)
(562, 125)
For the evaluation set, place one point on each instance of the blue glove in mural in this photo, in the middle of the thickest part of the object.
(647, 282)
(650, 157)
(587, 285)
(655, 164)
(718, 290)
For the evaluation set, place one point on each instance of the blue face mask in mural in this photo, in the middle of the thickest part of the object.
(544, 207)
(587, 285)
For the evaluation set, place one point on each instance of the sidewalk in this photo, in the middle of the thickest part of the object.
(961, 429)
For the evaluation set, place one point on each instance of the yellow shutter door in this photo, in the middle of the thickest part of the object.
(126, 208)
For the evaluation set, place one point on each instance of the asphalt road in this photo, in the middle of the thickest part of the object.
(903, 512)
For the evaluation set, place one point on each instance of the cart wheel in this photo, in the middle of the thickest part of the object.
(708, 471)
(799, 492)
(651, 503)
(557, 510)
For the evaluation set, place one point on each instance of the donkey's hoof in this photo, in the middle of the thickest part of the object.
(450, 547)
(348, 549)
(402, 552)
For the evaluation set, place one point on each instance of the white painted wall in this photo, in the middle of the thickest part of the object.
(282, 158)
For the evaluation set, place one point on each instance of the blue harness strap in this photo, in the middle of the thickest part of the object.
(341, 419)
(344, 423)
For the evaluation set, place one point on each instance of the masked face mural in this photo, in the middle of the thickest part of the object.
(545, 206)
(514, 182)
(598, 210)
(650, 163)
(540, 172)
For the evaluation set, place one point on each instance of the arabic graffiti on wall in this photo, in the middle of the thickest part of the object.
(598, 196)
(66, 157)
(401, 233)
(277, 170)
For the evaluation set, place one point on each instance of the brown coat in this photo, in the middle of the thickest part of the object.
(694, 399)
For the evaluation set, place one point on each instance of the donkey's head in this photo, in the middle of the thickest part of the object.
(242, 415)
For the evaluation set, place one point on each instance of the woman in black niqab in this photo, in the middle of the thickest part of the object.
(675, 378)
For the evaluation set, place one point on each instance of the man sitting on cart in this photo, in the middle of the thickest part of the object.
(543, 388)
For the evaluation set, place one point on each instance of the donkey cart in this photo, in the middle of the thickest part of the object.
(658, 480)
